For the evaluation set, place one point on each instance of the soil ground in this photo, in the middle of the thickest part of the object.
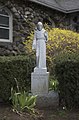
(6, 113)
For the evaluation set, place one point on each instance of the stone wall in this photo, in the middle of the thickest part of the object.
(25, 16)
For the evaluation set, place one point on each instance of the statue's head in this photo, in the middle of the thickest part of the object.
(39, 26)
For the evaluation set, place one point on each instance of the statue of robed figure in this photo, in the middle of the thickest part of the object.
(39, 44)
(40, 76)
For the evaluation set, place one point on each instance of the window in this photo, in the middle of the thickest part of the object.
(5, 25)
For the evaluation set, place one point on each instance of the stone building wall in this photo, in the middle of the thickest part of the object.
(25, 16)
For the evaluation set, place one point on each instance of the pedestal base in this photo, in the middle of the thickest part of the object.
(39, 81)
(50, 100)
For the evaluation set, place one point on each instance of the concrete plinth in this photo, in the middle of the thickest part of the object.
(39, 81)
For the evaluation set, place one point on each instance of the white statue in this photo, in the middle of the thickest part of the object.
(39, 44)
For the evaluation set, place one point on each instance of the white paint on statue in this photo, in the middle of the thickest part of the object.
(39, 44)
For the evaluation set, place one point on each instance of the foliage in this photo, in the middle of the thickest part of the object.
(53, 83)
(19, 67)
(22, 101)
(67, 72)
(59, 41)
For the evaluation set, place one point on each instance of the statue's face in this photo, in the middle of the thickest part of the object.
(39, 26)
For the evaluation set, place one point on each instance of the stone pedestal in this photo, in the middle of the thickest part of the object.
(39, 81)
(39, 87)
(49, 100)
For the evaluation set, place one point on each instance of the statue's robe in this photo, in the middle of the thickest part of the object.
(39, 43)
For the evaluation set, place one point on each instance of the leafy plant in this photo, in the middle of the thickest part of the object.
(22, 101)
(14, 98)
(53, 84)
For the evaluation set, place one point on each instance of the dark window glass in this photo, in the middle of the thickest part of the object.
(3, 11)
(4, 33)
(4, 21)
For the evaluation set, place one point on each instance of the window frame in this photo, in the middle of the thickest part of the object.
(10, 26)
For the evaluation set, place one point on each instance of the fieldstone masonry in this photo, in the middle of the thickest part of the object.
(26, 15)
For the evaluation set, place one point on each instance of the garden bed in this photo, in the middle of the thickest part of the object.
(6, 113)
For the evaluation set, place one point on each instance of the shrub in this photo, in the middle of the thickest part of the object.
(59, 41)
(67, 72)
(19, 67)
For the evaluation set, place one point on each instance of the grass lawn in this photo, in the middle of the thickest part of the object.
(6, 113)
